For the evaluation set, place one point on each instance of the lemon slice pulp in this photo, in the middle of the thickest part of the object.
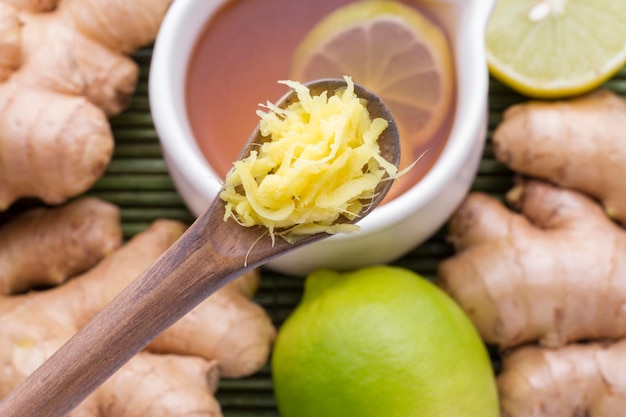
(556, 48)
(394, 50)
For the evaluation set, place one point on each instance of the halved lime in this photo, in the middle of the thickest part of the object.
(556, 48)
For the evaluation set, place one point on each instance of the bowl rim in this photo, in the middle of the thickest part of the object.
(177, 38)
(184, 21)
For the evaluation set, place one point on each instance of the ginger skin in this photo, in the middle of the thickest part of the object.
(239, 338)
(33, 5)
(70, 70)
(553, 273)
(10, 40)
(64, 241)
(157, 386)
(559, 141)
(576, 380)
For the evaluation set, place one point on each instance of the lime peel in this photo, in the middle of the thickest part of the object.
(380, 341)
(321, 161)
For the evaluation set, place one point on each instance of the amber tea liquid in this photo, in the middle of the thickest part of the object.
(242, 53)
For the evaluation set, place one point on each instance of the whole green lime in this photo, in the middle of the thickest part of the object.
(380, 342)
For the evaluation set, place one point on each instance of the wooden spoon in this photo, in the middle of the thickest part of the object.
(210, 254)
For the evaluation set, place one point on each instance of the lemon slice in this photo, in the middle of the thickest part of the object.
(395, 51)
(556, 48)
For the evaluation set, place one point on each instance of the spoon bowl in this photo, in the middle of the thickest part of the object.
(210, 254)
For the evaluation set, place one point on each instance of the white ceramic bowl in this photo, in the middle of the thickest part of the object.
(391, 230)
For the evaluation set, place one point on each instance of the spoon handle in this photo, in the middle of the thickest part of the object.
(192, 269)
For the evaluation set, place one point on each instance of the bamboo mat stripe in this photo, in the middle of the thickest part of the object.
(137, 180)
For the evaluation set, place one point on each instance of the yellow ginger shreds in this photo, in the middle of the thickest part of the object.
(321, 162)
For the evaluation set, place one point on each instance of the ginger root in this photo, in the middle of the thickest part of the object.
(576, 380)
(64, 241)
(577, 143)
(10, 40)
(64, 69)
(33, 5)
(178, 370)
(553, 273)
(240, 337)
(546, 282)
(157, 386)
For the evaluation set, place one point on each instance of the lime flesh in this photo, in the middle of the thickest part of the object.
(556, 48)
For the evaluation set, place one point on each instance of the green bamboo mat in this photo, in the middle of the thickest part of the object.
(137, 181)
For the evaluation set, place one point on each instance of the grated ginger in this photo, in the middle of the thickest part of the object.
(322, 161)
